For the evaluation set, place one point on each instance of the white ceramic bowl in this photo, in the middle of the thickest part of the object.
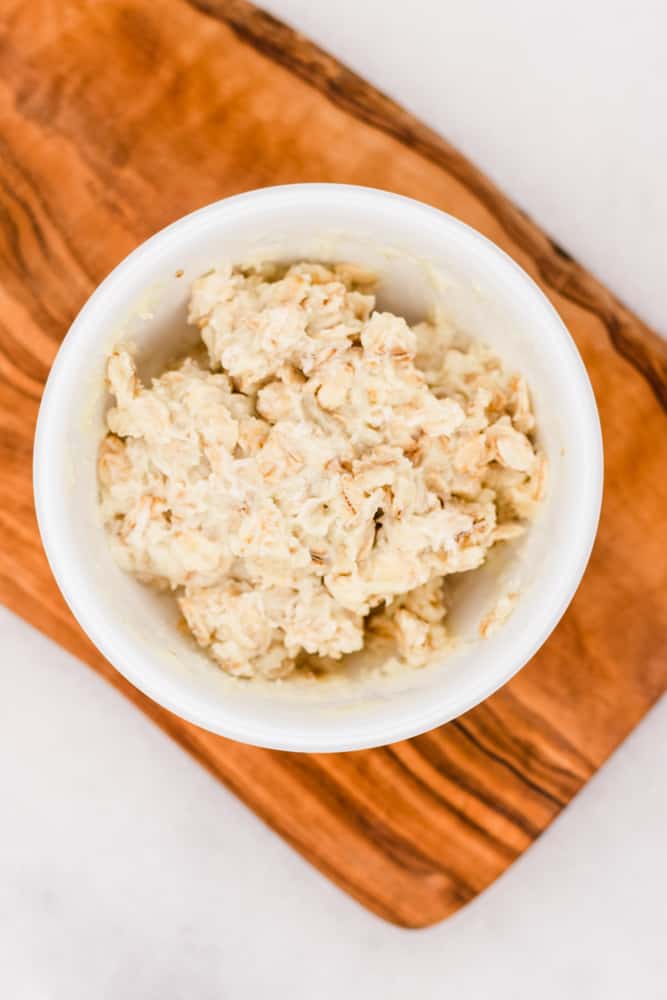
(422, 256)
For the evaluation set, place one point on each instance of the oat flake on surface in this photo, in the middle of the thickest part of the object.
(314, 483)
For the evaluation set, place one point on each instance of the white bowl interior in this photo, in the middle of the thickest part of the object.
(423, 258)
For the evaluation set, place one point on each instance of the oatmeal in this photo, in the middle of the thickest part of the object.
(311, 485)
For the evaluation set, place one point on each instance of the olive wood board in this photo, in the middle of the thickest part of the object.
(119, 116)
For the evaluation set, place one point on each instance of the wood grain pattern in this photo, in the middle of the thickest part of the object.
(118, 116)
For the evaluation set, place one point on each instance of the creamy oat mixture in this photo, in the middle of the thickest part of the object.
(311, 483)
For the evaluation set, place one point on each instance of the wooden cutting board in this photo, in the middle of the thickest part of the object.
(117, 117)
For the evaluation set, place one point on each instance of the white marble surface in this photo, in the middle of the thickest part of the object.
(562, 104)
(125, 869)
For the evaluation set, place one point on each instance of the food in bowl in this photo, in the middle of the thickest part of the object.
(307, 483)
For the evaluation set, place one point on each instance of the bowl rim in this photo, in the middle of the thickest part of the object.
(120, 651)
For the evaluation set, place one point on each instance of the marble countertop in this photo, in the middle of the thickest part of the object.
(128, 871)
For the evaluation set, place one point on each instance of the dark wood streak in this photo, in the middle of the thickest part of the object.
(476, 828)
(13, 234)
(487, 718)
(562, 252)
(29, 214)
(28, 180)
(31, 391)
(32, 296)
(632, 338)
(27, 362)
(508, 765)
(429, 747)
